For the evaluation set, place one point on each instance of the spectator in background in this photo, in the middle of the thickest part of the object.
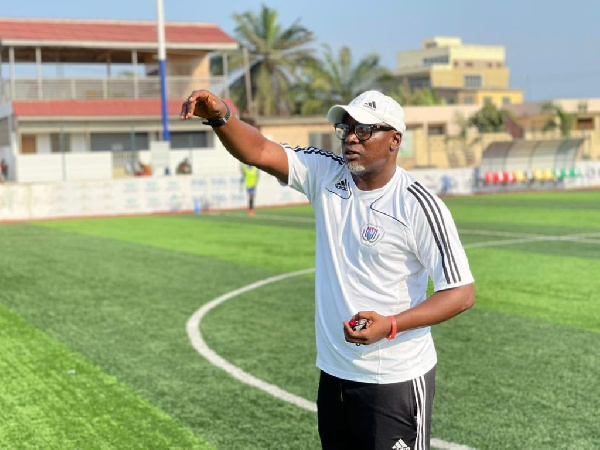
(184, 167)
(250, 176)
(143, 170)
(3, 171)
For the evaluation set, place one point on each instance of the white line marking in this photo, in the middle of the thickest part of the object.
(271, 217)
(496, 233)
(193, 331)
(527, 237)
(571, 238)
(438, 443)
(193, 324)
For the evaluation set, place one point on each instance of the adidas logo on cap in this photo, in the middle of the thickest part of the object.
(371, 105)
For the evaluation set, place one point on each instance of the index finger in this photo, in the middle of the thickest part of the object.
(187, 108)
(184, 110)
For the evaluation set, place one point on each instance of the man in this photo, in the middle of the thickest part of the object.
(380, 234)
(3, 171)
(250, 176)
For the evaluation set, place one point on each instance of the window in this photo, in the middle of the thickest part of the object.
(60, 143)
(435, 60)
(28, 144)
(419, 82)
(506, 100)
(4, 132)
(585, 123)
(487, 100)
(118, 142)
(325, 141)
(436, 129)
(468, 99)
(473, 81)
(191, 139)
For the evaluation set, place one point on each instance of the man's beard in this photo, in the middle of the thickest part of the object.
(355, 168)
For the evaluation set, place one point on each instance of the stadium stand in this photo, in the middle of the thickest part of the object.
(535, 163)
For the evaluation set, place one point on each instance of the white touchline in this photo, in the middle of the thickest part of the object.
(193, 331)
(193, 324)
(527, 237)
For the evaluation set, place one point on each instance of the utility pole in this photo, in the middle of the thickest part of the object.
(249, 100)
(162, 66)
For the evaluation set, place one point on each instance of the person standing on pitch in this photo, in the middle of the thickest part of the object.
(380, 235)
(250, 176)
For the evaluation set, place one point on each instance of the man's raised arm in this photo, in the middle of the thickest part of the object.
(243, 141)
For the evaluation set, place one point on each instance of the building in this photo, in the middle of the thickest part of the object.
(78, 86)
(458, 73)
(59, 125)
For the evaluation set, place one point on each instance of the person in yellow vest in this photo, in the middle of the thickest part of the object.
(250, 176)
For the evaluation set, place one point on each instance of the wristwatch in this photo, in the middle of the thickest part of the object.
(219, 122)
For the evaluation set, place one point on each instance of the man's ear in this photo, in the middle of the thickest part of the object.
(395, 142)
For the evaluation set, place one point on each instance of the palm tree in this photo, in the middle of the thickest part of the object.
(406, 96)
(336, 79)
(565, 120)
(274, 54)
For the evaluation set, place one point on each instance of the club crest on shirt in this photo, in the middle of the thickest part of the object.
(371, 234)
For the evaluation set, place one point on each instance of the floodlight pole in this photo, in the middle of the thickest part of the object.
(162, 67)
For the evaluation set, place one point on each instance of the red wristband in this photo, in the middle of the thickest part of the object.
(394, 329)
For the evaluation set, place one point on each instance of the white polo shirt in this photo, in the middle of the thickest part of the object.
(374, 252)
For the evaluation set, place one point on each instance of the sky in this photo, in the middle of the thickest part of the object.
(552, 47)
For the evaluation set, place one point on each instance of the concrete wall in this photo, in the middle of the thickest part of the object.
(215, 191)
(52, 167)
(141, 195)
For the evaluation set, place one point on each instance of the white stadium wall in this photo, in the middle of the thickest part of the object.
(140, 195)
(208, 190)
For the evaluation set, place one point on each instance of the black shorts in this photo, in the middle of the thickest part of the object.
(369, 416)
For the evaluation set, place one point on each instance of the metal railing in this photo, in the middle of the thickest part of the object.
(105, 88)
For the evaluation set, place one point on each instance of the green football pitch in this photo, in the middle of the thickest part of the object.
(95, 350)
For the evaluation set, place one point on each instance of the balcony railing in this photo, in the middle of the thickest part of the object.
(105, 88)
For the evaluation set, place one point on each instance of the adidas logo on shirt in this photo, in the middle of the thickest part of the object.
(371, 105)
(343, 185)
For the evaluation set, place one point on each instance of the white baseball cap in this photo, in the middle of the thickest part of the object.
(371, 107)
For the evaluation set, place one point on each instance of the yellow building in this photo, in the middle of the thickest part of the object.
(459, 73)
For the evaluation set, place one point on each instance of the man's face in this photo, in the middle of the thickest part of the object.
(371, 155)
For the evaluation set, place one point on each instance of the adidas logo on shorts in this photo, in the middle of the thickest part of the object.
(400, 445)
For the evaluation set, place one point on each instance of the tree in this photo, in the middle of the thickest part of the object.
(274, 54)
(565, 120)
(336, 79)
(406, 96)
(489, 119)
(465, 146)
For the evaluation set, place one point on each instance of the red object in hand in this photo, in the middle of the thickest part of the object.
(357, 325)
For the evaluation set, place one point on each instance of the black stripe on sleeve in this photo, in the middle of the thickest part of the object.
(317, 151)
(419, 198)
(445, 234)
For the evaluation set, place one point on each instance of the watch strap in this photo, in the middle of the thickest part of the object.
(221, 121)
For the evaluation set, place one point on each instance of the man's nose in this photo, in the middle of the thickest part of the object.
(352, 137)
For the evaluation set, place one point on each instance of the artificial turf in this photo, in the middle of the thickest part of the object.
(112, 297)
